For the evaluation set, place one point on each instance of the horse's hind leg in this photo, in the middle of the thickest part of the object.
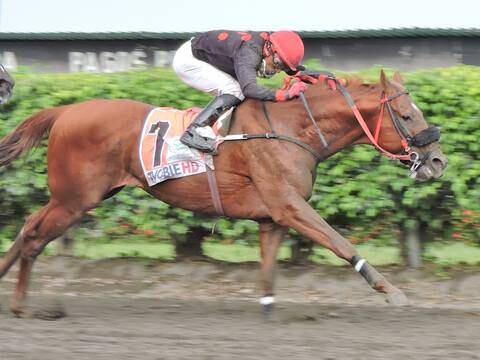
(42, 227)
(12, 255)
(271, 235)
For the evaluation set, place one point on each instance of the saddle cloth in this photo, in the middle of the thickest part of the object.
(162, 154)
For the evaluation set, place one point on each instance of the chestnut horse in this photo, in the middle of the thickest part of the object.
(93, 154)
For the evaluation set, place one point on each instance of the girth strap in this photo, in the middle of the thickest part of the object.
(212, 184)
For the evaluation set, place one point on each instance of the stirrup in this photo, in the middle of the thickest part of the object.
(192, 139)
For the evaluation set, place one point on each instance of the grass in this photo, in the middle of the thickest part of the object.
(376, 255)
(102, 250)
(235, 253)
(452, 253)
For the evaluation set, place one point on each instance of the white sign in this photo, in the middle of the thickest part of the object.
(9, 60)
(163, 58)
(106, 61)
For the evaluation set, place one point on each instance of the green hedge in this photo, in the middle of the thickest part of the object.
(358, 190)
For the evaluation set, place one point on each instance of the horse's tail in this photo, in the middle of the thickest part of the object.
(28, 134)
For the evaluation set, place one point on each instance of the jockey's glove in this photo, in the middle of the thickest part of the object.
(292, 92)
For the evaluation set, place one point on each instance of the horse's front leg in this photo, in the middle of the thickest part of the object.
(271, 235)
(293, 211)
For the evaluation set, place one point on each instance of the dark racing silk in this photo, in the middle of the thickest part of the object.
(236, 53)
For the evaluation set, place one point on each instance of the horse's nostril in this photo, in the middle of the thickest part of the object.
(438, 163)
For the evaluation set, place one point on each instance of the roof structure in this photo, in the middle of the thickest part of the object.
(342, 34)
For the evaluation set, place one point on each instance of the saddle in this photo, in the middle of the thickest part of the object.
(163, 156)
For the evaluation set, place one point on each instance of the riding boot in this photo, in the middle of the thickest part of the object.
(207, 117)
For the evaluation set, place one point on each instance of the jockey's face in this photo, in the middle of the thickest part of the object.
(270, 66)
(278, 64)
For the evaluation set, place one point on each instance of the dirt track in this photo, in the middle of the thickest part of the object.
(120, 309)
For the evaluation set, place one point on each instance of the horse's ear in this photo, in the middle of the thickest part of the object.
(398, 78)
(383, 80)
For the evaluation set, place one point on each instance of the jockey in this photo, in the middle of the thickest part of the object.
(6, 85)
(227, 63)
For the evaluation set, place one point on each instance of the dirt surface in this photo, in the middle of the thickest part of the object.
(131, 309)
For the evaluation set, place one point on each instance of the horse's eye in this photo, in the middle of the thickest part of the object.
(406, 117)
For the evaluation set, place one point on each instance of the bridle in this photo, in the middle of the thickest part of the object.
(423, 138)
(408, 156)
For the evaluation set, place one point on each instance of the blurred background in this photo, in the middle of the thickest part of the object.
(61, 52)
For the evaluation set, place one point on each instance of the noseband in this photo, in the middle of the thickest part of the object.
(423, 138)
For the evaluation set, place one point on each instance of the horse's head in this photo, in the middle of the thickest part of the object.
(407, 128)
(6, 85)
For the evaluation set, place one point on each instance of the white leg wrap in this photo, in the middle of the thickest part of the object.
(267, 300)
(360, 264)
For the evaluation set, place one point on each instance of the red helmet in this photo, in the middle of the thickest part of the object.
(289, 46)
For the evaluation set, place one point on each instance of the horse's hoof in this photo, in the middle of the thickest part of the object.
(21, 312)
(397, 298)
(49, 314)
(268, 310)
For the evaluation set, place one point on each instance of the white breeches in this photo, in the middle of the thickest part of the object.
(203, 76)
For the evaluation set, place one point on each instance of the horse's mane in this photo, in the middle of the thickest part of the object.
(353, 83)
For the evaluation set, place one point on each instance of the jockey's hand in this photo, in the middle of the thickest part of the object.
(292, 92)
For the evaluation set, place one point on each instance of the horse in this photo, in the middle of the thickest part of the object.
(6, 85)
(93, 153)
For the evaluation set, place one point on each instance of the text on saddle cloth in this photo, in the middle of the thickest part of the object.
(162, 154)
